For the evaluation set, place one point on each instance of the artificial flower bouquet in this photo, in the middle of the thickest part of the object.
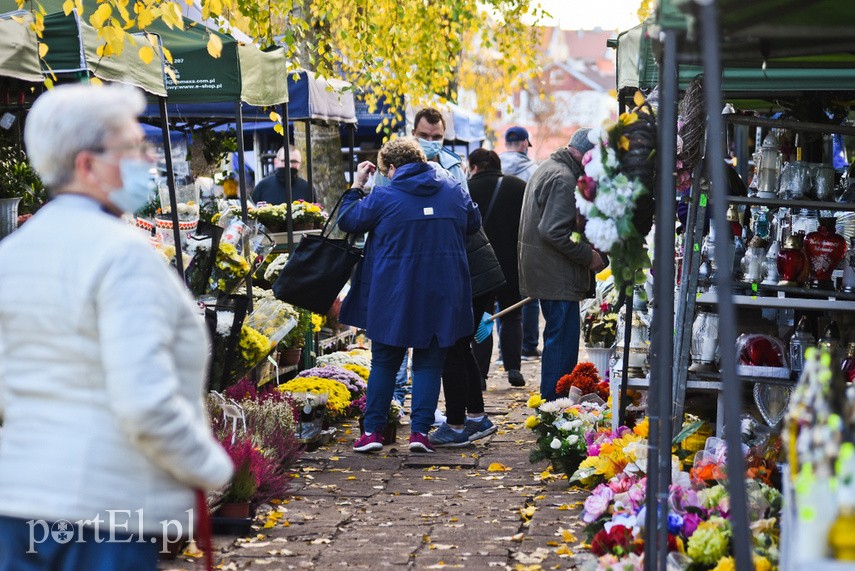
(242, 247)
(586, 379)
(561, 426)
(615, 193)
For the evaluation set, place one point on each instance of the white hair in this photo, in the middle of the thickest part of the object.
(73, 118)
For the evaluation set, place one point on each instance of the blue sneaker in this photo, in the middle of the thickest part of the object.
(473, 430)
(445, 436)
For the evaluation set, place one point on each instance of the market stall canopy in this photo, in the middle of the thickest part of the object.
(637, 68)
(368, 121)
(764, 30)
(72, 44)
(19, 47)
(314, 98)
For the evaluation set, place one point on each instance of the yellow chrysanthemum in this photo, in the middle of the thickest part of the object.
(359, 370)
(725, 564)
(535, 401)
(339, 395)
(762, 564)
(642, 429)
(532, 421)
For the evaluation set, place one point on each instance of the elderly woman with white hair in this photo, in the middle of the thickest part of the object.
(105, 442)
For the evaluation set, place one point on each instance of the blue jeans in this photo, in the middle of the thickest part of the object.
(401, 389)
(427, 371)
(84, 550)
(560, 343)
(530, 327)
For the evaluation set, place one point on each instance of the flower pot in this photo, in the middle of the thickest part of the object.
(300, 226)
(8, 216)
(600, 357)
(234, 510)
(290, 357)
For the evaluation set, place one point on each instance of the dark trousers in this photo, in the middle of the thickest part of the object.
(461, 377)
(510, 335)
(531, 327)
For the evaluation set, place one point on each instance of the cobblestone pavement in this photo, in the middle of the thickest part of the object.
(479, 507)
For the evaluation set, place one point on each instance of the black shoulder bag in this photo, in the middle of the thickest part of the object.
(318, 269)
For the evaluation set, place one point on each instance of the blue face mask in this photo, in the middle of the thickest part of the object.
(137, 185)
(430, 148)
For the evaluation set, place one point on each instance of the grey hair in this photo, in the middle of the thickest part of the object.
(73, 118)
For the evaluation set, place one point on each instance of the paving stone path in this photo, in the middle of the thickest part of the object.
(429, 511)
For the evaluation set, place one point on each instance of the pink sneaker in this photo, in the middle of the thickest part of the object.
(369, 443)
(419, 443)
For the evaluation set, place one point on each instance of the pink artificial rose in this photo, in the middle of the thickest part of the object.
(597, 503)
(586, 158)
(619, 485)
(637, 493)
(587, 186)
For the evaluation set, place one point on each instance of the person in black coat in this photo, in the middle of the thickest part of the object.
(500, 199)
(271, 189)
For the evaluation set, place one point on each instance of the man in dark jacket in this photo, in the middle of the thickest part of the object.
(271, 189)
(555, 264)
(500, 204)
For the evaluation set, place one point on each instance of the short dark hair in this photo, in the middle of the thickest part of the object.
(431, 115)
(485, 160)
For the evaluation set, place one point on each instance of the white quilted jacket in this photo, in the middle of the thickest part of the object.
(102, 361)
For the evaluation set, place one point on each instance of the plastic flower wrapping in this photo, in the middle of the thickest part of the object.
(615, 193)
(240, 342)
(241, 249)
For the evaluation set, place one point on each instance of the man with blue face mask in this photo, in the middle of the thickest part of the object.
(429, 131)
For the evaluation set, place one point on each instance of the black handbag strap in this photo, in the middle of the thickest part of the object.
(324, 234)
(492, 201)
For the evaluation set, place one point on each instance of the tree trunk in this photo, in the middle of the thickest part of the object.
(328, 178)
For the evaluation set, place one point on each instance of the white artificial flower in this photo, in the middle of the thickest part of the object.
(582, 205)
(602, 233)
(555, 444)
(550, 407)
(594, 168)
(225, 320)
(611, 160)
(572, 439)
(611, 204)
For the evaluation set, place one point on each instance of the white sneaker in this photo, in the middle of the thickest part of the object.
(438, 418)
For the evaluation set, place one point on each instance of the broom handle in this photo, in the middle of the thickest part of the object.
(507, 310)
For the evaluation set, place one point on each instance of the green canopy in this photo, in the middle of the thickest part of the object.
(763, 30)
(72, 44)
(19, 48)
(637, 68)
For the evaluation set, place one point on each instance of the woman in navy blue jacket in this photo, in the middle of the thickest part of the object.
(412, 289)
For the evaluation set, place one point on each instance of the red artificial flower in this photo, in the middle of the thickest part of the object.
(617, 541)
(585, 377)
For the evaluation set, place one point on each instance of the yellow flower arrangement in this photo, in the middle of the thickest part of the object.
(229, 269)
(253, 346)
(317, 322)
(642, 429)
(532, 421)
(339, 395)
(534, 401)
(358, 369)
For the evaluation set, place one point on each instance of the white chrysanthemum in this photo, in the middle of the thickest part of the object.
(565, 402)
(603, 234)
(555, 444)
(611, 204)
(572, 439)
(225, 320)
(582, 205)
(550, 407)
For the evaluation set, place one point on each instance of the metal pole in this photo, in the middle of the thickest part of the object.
(289, 195)
(170, 183)
(244, 209)
(662, 357)
(732, 387)
(627, 338)
(352, 136)
(309, 159)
